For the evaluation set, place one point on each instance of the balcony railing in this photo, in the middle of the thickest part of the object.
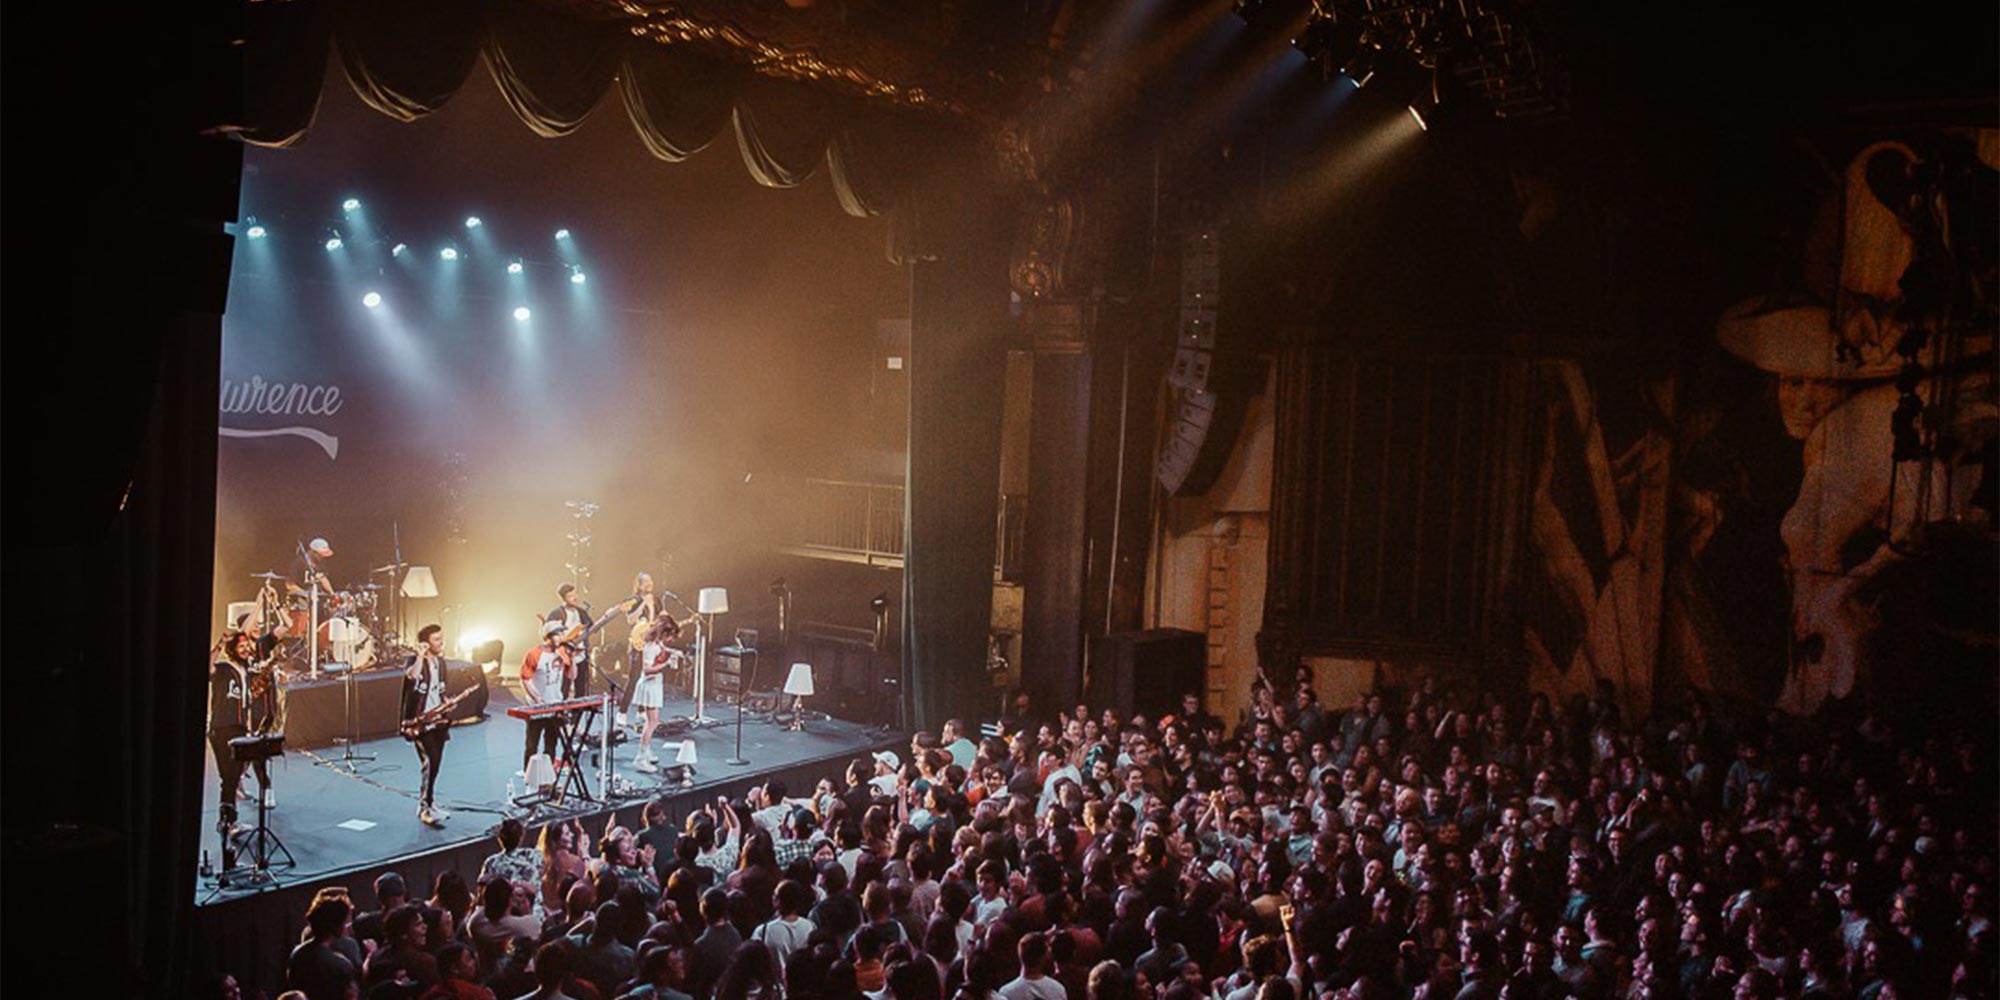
(863, 523)
(851, 522)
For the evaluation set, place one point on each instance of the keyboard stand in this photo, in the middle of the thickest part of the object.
(571, 734)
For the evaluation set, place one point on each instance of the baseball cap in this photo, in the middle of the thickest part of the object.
(551, 627)
(888, 757)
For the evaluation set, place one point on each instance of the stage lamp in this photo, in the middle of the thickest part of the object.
(448, 253)
(350, 205)
(399, 250)
(372, 299)
(562, 234)
(488, 654)
(333, 243)
(514, 267)
(521, 313)
(256, 232)
(684, 758)
(799, 684)
(472, 222)
(576, 276)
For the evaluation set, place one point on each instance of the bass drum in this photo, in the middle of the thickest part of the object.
(343, 640)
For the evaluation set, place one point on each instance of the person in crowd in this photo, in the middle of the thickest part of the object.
(458, 972)
(317, 967)
(1422, 843)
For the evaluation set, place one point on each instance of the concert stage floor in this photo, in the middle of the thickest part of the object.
(346, 825)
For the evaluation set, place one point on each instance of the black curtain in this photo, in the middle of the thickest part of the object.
(958, 358)
(111, 362)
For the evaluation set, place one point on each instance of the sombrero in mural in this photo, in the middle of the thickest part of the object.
(1801, 342)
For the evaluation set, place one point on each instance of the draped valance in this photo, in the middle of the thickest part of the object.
(553, 68)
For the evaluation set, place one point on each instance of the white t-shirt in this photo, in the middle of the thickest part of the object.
(549, 675)
(1023, 988)
(985, 911)
(783, 937)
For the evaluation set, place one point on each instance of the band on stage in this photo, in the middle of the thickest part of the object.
(245, 674)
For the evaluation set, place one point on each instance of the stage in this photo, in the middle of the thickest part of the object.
(345, 823)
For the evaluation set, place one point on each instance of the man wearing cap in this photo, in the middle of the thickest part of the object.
(309, 564)
(544, 675)
(887, 764)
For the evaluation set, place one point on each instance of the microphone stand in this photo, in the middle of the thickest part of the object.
(607, 770)
(700, 685)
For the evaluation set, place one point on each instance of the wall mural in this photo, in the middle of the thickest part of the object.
(1814, 521)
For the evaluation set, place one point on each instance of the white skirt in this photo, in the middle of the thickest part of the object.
(647, 692)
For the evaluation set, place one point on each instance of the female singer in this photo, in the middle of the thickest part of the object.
(644, 610)
(648, 688)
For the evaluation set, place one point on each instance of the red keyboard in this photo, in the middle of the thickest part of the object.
(548, 708)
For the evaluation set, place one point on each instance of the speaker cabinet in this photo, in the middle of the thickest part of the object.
(1145, 671)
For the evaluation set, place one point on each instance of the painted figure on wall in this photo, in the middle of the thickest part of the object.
(1845, 370)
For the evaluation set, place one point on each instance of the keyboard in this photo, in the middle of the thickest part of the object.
(549, 708)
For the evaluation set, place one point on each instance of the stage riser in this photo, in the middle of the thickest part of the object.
(250, 936)
(314, 713)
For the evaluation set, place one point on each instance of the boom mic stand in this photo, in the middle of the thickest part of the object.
(700, 683)
(607, 768)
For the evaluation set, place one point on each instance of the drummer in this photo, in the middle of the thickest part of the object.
(310, 565)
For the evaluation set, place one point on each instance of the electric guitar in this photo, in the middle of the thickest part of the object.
(577, 637)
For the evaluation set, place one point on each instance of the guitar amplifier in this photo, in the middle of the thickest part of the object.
(729, 669)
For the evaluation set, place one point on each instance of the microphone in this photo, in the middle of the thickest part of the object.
(670, 593)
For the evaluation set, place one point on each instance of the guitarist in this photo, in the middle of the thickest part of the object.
(423, 702)
(576, 622)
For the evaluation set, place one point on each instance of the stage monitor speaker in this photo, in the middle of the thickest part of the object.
(728, 667)
(1146, 671)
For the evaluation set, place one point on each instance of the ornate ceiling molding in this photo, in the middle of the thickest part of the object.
(889, 56)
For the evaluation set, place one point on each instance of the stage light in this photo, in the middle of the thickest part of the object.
(514, 267)
(333, 243)
(576, 276)
(521, 313)
(562, 234)
(372, 299)
(472, 222)
(448, 253)
(399, 250)
(350, 205)
(255, 232)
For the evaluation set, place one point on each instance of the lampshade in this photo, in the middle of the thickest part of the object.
(799, 684)
(238, 612)
(541, 771)
(686, 753)
(711, 601)
(420, 583)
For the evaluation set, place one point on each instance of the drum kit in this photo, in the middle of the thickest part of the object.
(355, 627)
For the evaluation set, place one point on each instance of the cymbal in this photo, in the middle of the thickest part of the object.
(370, 586)
(268, 576)
(391, 568)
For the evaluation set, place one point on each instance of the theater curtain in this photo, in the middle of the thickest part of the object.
(676, 99)
(404, 59)
(782, 131)
(958, 359)
(553, 68)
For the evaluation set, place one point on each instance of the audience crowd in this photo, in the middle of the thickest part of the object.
(1427, 846)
